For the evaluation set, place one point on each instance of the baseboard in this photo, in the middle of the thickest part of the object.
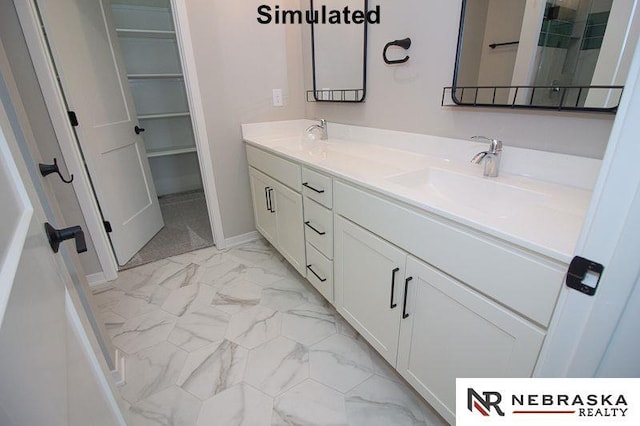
(118, 374)
(241, 239)
(96, 279)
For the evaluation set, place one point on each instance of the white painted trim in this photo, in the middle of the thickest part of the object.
(54, 100)
(183, 36)
(241, 239)
(119, 374)
(96, 279)
(76, 323)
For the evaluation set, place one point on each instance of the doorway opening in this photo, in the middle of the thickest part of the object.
(147, 41)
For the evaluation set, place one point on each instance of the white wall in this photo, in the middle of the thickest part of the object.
(239, 62)
(407, 97)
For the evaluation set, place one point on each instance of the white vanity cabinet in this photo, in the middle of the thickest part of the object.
(369, 279)
(451, 331)
(277, 204)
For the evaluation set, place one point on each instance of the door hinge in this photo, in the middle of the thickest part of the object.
(107, 226)
(584, 275)
(73, 118)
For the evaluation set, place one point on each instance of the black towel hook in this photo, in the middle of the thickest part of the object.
(47, 169)
(405, 43)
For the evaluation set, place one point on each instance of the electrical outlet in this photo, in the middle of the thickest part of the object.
(277, 97)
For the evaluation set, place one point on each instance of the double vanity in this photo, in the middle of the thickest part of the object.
(445, 272)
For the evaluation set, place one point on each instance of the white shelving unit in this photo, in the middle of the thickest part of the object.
(150, 50)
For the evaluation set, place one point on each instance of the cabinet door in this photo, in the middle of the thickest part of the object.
(452, 331)
(262, 192)
(289, 226)
(369, 284)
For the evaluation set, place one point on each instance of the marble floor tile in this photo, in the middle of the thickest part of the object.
(144, 331)
(222, 273)
(289, 293)
(277, 366)
(340, 362)
(141, 300)
(255, 252)
(209, 256)
(170, 407)
(308, 324)
(379, 401)
(213, 368)
(112, 322)
(310, 404)
(106, 297)
(199, 328)
(152, 370)
(240, 405)
(236, 296)
(182, 276)
(188, 299)
(253, 326)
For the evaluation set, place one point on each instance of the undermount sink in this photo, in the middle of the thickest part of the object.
(478, 193)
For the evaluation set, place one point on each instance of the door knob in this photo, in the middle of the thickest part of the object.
(138, 130)
(56, 236)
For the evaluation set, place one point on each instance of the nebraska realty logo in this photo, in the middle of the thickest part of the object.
(554, 401)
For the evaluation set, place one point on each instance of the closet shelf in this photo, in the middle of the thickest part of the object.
(153, 76)
(171, 151)
(134, 32)
(163, 115)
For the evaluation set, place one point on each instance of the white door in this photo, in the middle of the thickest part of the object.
(287, 205)
(82, 39)
(39, 381)
(584, 326)
(479, 338)
(369, 285)
(263, 199)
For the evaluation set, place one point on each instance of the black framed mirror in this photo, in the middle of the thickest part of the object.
(560, 54)
(339, 55)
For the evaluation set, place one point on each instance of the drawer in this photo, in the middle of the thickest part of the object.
(317, 187)
(320, 272)
(278, 168)
(522, 280)
(318, 227)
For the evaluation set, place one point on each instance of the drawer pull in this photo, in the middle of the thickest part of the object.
(393, 286)
(271, 208)
(319, 191)
(266, 197)
(308, 223)
(314, 273)
(404, 303)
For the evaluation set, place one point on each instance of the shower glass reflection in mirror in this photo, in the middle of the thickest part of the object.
(549, 45)
(339, 55)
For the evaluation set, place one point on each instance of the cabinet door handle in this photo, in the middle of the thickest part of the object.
(319, 191)
(266, 197)
(271, 208)
(393, 286)
(314, 273)
(404, 303)
(308, 223)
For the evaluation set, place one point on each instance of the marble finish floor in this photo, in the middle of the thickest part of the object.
(237, 337)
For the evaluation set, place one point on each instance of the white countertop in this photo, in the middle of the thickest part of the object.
(541, 216)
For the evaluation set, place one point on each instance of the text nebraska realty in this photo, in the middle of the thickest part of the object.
(275, 15)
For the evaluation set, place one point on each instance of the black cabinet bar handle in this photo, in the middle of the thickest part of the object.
(404, 303)
(271, 208)
(308, 223)
(314, 273)
(319, 191)
(266, 197)
(393, 286)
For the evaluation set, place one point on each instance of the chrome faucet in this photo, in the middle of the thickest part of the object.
(322, 127)
(491, 157)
